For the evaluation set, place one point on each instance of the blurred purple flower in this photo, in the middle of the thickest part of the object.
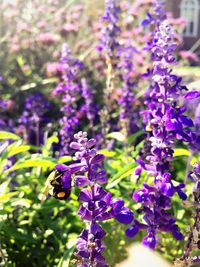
(33, 118)
(110, 32)
(69, 89)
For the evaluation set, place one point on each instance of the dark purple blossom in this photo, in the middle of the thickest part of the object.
(195, 145)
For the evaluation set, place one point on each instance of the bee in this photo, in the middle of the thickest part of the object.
(54, 186)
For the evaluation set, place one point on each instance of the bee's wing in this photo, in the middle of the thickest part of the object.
(47, 188)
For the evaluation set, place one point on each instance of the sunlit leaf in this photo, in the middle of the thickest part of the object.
(22, 202)
(117, 136)
(65, 260)
(107, 153)
(7, 135)
(123, 173)
(19, 149)
(181, 152)
(32, 163)
(3, 187)
(134, 136)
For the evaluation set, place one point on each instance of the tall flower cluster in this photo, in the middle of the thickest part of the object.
(69, 89)
(97, 205)
(89, 108)
(110, 32)
(126, 100)
(33, 118)
(158, 16)
(109, 44)
(166, 123)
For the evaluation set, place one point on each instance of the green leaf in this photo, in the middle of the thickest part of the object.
(7, 135)
(19, 149)
(7, 196)
(3, 187)
(64, 159)
(107, 153)
(181, 152)
(134, 136)
(127, 170)
(28, 86)
(117, 136)
(20, 60)
(32, 163)
(18, 234)
(65, 260)
(22, 202)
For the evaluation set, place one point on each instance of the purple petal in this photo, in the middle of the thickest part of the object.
(81, 181)
(97, 159)
(172, 125)
(62, 168)
(75, 145)
(125, 216)
(132, 231)
(192, 95)
(149, 241)
(66, 180)
(85, 195)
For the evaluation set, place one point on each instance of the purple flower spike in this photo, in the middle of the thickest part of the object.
(69, 90)
(165, 124)
(33, 119)
(97, 204)
(110, 32)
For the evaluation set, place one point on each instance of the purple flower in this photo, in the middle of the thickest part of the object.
(150, 240)
(69, 89)
(110, 32)
(97, 204)
(89, 107)
(90, 247)
(166, 123)
(34, 118)
(126, 101)
(192, 95)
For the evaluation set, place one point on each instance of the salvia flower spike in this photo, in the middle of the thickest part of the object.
(166, 123)
(97, 205)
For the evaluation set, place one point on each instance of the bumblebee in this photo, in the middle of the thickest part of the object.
(54, 186)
